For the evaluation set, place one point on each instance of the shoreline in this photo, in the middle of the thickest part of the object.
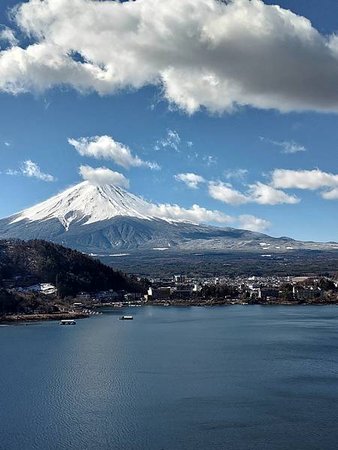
(221, 303)
(20, 318)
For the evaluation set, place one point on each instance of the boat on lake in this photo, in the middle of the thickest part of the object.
(67, 322)
(126, 318)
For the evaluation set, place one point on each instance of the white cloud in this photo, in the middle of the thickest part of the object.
(13, 172)
(225, 193)
(105, 147)
(303, 179)
(7, 35)
(32, 170)
(287, 147)
(272, 193)
(192, 180)
(200, 53)
(253, 223)
(196, 214)
(260, 193)
(330, 195)
(238, 174)
(264, 194)
(101, 175)
(210, 160)
(171, 141)
(308, 180)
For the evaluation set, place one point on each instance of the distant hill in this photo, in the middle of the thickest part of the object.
(71, 271)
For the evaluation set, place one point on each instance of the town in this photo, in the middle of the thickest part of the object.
(182, 290)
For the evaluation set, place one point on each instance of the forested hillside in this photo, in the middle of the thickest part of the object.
(70, 270)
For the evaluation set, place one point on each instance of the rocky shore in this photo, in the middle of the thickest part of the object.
(18, 318)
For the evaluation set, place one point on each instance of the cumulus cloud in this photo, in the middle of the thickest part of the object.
(196, 214)
(192, 180)
(101, 175)
(105, 147)
(253, 223)
(264, 194)
(32, 170)
(286, 146)
(303, 179)
(311, 180)
(260, 193)
(273, 192)
(226, 193)
(171, 141)
(200, 53)
(330, 195)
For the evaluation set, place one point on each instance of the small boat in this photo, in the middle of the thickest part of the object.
(126, 318)
(67, 322)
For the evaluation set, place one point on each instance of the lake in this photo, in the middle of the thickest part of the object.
(239, 377)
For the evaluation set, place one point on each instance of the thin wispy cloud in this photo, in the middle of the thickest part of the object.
(209, 160)
(287, 147)
(171, 141)
(32, 170)
(7, 37)
(237, 174)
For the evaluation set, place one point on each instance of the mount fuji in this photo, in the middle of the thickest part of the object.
(106, 219)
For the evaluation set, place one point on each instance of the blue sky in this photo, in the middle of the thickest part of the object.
(235, 150)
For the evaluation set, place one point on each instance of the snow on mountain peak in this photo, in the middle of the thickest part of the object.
(88, 203)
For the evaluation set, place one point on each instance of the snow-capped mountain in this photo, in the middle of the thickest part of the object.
(86, 203)
(107, 219)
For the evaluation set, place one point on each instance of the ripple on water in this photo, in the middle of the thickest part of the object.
(184, 378)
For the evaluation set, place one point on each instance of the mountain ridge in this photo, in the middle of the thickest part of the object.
(107, 219)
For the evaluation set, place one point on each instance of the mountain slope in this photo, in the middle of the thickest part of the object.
(107, 219)
(72, 271)
(86, 203)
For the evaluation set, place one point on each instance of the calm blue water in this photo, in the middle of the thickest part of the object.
(242, 377)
